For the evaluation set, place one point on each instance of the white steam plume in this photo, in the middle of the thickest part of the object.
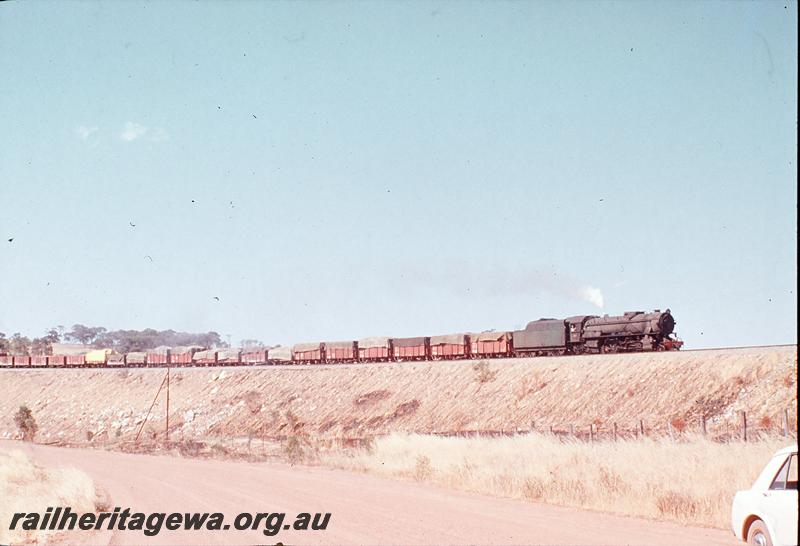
(592, 295)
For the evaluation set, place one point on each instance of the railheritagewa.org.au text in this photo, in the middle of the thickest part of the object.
(64, 519)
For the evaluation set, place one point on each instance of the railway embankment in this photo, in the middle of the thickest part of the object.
(660, 393)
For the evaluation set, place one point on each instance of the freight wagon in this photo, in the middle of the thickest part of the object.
(309, 353)
(490, 344)
(38, 361)
(449, 346)
(157, 358)
(136, 360)
(280, 355)
(75, 360)
(205, 358)
(252, 358)
(229, 357)
(410, 348)
(184, 358)
(340, 351)
(374, 349)
(56, 361)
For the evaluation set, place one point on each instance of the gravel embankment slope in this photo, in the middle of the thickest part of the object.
(107, 406)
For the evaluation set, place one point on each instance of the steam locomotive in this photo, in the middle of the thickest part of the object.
(631, 332)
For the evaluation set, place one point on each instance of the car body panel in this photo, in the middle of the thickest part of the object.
(777, 508)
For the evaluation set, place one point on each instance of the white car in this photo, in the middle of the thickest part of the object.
(766, 514)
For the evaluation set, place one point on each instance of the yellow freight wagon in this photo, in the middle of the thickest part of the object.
(98, 356)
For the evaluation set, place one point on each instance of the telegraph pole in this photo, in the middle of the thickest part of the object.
(167, 431)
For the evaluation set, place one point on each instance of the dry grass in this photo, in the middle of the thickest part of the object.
(690, 481)
(28, 487)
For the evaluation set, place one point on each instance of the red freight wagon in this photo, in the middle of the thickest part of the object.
(491, 344)
(254, 357)
(56, 360)
(377, 349)
(75, 360)
(308, 352)
(6, 361)
(22, 361)
(449, 346)
(340, 351)
(178, 358)
(410, 348)
(153, 359)
(39, 361)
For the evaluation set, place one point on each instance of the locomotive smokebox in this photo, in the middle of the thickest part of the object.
(666, 323)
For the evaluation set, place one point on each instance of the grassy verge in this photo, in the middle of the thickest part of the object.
(688, 481)
(28, 487)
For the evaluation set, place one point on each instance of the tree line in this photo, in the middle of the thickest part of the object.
(122, 341)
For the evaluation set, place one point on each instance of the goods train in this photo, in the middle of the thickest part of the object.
(631, 332)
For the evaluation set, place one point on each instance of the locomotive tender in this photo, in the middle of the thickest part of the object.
(634, 331)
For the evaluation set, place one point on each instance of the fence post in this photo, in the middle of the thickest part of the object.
(703, 422)
(591, 432)
(551, 430)
(615, 432)
(671, 433)
(641, 428)
(572, 430)
(744, 426)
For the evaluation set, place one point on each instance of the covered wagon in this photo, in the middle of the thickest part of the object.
(449, 346)
(340, 351)
(374, 349)
(490, 344)
(280, 355)
(308, 352)
(410, 348)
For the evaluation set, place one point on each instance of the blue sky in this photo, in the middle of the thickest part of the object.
(303, 171)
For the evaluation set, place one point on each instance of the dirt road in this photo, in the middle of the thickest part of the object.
(365, 509)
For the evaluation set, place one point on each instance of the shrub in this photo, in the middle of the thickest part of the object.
(294, 449)
(483, 374)
(252, 400)
(190, 448)
(26, 423)
(423, 468)
(678, 424)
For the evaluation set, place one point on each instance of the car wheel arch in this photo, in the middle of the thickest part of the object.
(748, 522)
